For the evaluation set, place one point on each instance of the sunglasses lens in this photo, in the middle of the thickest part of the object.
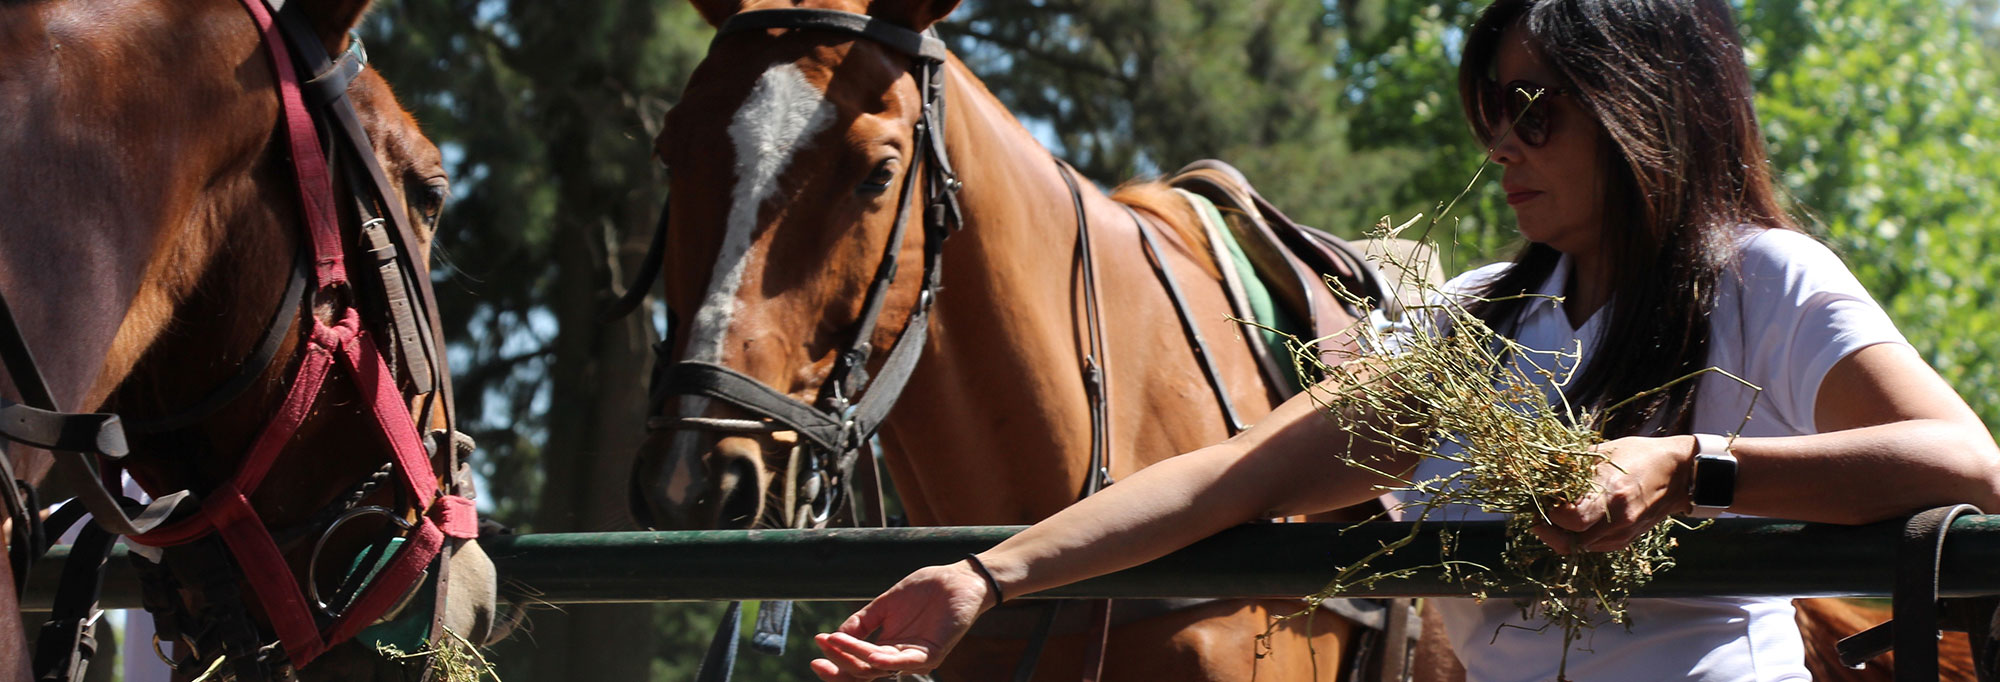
(1530, 116)
(1516, 110)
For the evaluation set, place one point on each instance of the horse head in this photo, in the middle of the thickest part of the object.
(797, 172)
(150, 248)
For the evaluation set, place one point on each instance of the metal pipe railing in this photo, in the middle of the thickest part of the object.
(1731, 557)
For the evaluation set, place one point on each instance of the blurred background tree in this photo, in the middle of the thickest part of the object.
(1342, 111)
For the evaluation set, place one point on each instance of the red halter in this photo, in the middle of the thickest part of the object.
(227, 509)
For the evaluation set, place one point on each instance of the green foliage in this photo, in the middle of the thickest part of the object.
(1132, 87)
(1880, 116)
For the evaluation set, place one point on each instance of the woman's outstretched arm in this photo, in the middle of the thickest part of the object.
(1290, 463)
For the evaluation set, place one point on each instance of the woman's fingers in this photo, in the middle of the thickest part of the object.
(898, 657)
(850, 658)
(1580, 515)
(841, 666)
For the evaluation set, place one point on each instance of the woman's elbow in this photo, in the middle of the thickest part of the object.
(1981, 474)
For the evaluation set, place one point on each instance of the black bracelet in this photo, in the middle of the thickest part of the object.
(999, 596)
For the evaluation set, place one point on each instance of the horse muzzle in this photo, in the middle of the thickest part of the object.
(690, 480)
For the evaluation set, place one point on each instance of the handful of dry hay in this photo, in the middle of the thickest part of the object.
(1449, 387)
(454, 660)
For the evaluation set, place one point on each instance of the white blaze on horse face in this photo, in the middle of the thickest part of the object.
(783, 113)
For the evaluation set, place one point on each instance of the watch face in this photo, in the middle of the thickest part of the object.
(1714, 481)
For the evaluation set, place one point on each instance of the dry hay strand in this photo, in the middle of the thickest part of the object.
(455, 660)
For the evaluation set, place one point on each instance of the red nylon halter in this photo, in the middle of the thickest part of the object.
(227, 510)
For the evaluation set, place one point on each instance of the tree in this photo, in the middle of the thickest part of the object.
(1880, 118)
(547, 112)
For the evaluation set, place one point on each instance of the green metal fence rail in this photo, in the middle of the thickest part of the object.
(1731, 557)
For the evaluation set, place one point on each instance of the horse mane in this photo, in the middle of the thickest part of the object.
(1155, 197)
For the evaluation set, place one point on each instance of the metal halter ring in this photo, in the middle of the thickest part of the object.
(157, 651)
(312, 563)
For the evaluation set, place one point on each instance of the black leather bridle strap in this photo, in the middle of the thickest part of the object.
(253, 367)
(74, 432)
(889, 35)
(77, 465)
(65, 646)
(715, 381)
(649, 272)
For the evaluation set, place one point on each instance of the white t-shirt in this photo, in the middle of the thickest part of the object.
(1784, 316)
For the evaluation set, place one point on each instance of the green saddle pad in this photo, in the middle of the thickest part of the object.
(1264, 309)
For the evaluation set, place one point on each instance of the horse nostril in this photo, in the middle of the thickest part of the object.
(740, 495)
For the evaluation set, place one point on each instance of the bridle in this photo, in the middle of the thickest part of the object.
(217, 544)
(836, 427)
(826, 471)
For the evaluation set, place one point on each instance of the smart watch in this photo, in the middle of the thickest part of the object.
(1712, 488)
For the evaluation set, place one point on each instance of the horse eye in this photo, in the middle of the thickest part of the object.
(430, 200)
(878, 179)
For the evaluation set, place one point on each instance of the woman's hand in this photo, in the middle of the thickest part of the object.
(1641, 482)
(920, 619)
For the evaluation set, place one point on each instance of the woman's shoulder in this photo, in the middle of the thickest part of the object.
(1765, 252)
(1777, 266)
(1477, 278)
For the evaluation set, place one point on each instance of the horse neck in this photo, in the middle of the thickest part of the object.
(1000, 386)
(138, 134)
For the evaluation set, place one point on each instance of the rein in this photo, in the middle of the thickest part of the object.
(222, 542)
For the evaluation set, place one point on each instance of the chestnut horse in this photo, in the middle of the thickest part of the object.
(792, 156)
(154, 238)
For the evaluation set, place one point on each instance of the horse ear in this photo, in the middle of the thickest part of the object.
(916, 14)
(717, 11)
(333, 19)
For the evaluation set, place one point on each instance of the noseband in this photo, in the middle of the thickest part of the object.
(850, 408)
(213, 546)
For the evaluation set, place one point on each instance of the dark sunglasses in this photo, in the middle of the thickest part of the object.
(1512, 107)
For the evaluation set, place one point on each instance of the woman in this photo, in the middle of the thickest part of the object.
(1636, 170)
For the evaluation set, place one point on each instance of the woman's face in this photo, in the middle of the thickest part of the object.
(1556, 187)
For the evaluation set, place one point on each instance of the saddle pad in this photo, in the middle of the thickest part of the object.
(1258, 304)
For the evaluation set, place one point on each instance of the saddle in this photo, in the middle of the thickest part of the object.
(1281, 277)
(1290, 263)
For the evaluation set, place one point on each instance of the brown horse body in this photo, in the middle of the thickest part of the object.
(153, 218)
(993, 425)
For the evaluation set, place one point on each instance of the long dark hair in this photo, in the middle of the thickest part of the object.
(1666, 81)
